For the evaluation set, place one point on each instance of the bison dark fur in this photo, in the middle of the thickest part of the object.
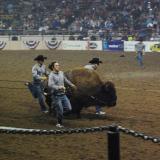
(91, 90)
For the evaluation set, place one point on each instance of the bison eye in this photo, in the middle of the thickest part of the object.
(107, 88)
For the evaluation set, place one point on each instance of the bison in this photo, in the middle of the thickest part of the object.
(91, 90)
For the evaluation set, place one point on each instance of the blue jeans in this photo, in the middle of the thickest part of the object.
(37, 92)
(140, 58)
(98, 109)
(61, 103)
(32, 90)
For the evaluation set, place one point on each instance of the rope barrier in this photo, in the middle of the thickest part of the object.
(12, 88)
(11, 130)
(12, 81)
(120, 88)
(133, 133)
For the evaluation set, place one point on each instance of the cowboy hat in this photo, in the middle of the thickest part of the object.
(95, 61)
(40, 58)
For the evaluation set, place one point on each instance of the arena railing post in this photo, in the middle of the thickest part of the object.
(113, 143)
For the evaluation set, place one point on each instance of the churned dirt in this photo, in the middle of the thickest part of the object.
(138, 108)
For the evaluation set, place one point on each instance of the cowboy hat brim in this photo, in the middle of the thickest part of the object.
(40, 58)
(95, 62)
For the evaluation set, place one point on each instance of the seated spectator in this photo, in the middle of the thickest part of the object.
(81, 15)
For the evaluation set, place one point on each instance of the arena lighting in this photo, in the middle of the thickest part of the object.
(149, 8)
(149, 5)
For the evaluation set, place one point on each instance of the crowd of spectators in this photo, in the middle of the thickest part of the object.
(82, 16)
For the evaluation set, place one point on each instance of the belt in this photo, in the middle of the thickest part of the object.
(59, 94)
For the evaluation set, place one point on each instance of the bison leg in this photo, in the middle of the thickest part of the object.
(77, 111)
(49, 103)
(78, 115)
(51, 107)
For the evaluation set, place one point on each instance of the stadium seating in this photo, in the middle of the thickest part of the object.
(79, 15)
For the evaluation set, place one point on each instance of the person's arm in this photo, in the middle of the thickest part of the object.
(34, 74)
(68, 82)
(143, 52)
(136, 48)
(46, 72)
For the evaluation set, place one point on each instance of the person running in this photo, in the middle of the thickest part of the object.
(39, 74)
(57, 88)
(93, 65)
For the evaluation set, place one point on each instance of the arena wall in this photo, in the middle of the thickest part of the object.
(129, 46)
(39, 42)
(36, 44)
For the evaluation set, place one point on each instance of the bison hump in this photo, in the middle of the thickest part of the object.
(87, 81)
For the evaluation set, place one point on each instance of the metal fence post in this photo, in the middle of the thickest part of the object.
(113, 143)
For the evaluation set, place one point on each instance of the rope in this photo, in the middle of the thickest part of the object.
(12, 88)
(133, 133)
(12, 81)
(12, 130)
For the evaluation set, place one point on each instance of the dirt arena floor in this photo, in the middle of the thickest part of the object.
(138, 108)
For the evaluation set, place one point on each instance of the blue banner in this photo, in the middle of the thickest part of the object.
(115, 45)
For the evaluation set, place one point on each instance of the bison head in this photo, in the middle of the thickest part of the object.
(108, 94)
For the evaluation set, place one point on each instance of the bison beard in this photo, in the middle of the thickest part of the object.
(91, 90)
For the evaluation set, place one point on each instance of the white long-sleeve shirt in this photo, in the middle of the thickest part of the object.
(56, 80)
(90, 66)
(38, 71)
(139, 47)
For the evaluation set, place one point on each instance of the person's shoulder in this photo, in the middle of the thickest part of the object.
(89, 66)
(44, 65)
(35, 66)
(61, 72)
(51, 73)
(86, 65)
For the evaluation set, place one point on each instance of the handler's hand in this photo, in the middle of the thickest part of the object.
(43, 78)
(74, 87)
(62, 88)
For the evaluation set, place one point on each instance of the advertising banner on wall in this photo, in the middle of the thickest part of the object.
(2, 44)
(115, 45)
(50, 44)
(129, 46)
(94, 45)
(73, 45)
(81, 45)
(150, 46)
